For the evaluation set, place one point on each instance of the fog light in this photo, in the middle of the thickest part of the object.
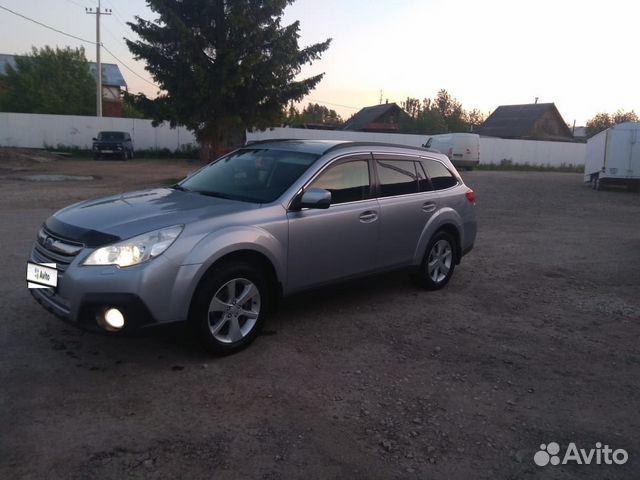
(114, 318)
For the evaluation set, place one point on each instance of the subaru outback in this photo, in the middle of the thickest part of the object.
(218, 249)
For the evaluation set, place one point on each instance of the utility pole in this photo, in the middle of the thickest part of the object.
(97, 12)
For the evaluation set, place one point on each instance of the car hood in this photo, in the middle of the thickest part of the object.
(109, 219)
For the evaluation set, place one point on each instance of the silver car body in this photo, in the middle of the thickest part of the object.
(305, 248)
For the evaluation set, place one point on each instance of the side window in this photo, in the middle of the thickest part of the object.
(440, 176)
(347, 182)
(397, 177)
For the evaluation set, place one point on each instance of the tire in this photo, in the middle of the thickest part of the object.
(439, 262)
(96, 156)
(596, 183)
(219, 320)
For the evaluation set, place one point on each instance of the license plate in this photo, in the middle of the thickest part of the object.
(42, 275)
(106, 151)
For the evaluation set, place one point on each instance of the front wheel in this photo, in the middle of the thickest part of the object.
(230, 307)
(439, 262)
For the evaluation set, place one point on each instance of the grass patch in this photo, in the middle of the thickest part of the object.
(508, 165)
(186, 152)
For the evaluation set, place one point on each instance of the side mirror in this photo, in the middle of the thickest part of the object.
(94, 139)
(313, 198)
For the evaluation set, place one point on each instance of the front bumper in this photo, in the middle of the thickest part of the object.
(93, 305)
(149, 295)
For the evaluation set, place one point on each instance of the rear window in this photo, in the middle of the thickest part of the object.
(397, 177)
(440, 175)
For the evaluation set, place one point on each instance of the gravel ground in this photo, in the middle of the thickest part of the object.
(534, 340)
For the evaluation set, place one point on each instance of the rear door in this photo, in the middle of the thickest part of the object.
(341, 241)
(407, 201)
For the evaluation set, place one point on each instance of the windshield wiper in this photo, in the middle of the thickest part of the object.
(179, 187)
(215, 194)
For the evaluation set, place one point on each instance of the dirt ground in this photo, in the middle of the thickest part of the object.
(535, 340)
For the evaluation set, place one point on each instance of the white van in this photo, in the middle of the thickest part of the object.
(463, 149)
(613, 157)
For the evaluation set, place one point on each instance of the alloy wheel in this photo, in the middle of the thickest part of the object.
(234, 310)
(439, 261)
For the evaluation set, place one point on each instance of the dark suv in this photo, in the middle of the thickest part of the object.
(113, 144)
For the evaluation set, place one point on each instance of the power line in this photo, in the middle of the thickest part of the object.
(128, 67)
(333, 104)
(75, 3)
(117, 13)
(78, 38)
(47, 26)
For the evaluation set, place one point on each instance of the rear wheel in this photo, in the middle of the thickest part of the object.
(439, 262)
(229, 307)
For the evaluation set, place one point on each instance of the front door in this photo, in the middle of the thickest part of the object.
(341, 241)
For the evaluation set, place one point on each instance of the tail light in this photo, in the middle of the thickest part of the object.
(471, 197)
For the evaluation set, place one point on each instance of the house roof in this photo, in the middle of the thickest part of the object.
(517, 121)
(111, 75)
(368, 115)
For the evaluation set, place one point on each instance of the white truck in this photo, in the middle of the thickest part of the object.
(613, 157)
(463, 149)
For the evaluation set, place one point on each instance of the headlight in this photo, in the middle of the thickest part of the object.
(135, 250)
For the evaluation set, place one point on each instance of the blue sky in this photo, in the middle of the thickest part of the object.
(579, 54)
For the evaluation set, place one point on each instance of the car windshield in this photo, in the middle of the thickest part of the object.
(110, 136)
(250, 175)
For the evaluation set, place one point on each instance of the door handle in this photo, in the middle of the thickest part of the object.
(429, 207)
(368, 216)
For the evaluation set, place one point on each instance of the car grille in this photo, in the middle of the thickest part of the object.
(50, 248)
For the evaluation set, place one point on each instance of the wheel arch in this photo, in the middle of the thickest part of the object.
(244, 255)
(447, 221)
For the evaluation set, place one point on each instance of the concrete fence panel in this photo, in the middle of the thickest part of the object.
(39, 131)
(492, 150)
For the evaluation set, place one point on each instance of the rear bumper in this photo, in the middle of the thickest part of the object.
(465, 163)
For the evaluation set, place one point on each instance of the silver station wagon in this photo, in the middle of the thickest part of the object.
(222, 246)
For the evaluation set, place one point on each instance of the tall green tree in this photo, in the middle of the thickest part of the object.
(223, 66)
(313, 113)
(601, 121)
(47, 80)
(442, 114)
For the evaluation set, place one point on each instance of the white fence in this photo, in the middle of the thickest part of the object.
(532, 152)
(492, 150)
(38, 131)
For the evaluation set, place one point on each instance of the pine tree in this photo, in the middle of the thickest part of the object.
(223, 66)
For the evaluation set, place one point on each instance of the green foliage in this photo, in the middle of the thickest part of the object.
(444, 114)
(603, 120)
(313, 113)
(223, 66)
(50, 81)
(129, 107)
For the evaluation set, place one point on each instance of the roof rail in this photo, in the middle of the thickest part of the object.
(271, 140)
(377, 144)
